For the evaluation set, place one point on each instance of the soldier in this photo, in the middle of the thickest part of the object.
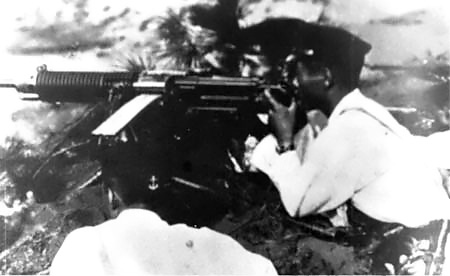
(139, 242)
(363, 156)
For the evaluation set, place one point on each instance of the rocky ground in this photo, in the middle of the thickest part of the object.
(54, 139)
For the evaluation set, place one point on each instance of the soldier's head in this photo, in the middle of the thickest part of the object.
(326, 67)
(320, 58)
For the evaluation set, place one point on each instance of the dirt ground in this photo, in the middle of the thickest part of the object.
(261, 227)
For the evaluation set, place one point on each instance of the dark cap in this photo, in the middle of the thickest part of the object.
(335, 47)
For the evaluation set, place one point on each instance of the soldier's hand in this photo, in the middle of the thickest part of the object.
(282, 120)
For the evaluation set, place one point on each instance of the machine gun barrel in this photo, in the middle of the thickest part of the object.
(77, 86)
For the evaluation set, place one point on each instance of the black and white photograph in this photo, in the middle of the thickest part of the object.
(225, 137)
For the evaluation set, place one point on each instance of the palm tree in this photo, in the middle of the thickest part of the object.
(185, 37)
(181, 43)
(133, 62)
(222, 18)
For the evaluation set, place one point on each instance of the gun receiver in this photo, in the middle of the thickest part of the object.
(222, 94)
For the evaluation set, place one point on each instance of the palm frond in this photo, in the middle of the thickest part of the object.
(135, 62)
(181, 44)
(223, 18)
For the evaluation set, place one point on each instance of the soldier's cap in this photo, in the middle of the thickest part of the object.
(280, 37)
(335, 47)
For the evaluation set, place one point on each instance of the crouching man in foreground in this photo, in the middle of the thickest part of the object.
(138, 242)
(363, 156)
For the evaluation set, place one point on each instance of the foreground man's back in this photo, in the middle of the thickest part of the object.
(138, 242)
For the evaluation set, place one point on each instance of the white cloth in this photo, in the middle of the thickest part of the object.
(364, 155)
(138, 242)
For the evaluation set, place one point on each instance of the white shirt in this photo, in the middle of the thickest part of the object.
(139, 242)
(364, 155)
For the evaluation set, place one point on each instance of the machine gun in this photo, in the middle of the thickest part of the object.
(135, 91)
(166, 128)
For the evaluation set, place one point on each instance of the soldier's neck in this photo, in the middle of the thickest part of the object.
(335, 96)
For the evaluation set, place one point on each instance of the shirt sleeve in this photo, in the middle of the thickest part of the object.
(334, 168)
(297, 174)
(283, 169)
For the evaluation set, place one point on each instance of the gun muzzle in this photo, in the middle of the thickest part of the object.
(8, 85)
(26, 89)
